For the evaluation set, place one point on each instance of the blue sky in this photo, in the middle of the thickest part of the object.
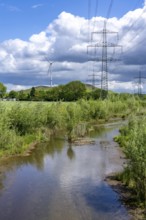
(21, 19)
(59, 30)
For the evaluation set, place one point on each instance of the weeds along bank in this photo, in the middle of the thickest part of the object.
(132, 139)
(22, 123)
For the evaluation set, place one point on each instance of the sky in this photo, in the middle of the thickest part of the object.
(36, 32)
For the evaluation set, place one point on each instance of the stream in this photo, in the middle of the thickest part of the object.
(63, 182)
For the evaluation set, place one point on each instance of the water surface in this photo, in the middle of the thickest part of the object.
(63, 182)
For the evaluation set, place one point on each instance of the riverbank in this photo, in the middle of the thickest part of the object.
(117, 186)
(133, 142)
(72, 176)
(126, 197)
(22, 123)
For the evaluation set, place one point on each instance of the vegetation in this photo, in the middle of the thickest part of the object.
(12, 94)
(69, 92)
(2, 90)
(24, 122)
(133, 140)
(72, 91)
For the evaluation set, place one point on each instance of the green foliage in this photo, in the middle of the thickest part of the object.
(12, 94)
(54, 116)
(53, 94)
(32, 93)
(93, 94)
(73, 91)
(133, 140)
(37, 120)
(22, 96)
(2, 90)
(70, 92)
(72, 119)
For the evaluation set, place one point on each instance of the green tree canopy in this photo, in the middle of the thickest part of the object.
(32, 92)
(73, 91)
(22, 95)
(3, 89)
(12, 94)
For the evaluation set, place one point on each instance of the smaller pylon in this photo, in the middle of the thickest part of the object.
(94, 80)
(139, 81)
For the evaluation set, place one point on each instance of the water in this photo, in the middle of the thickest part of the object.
(62, 182)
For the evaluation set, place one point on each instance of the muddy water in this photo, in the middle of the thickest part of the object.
(62, 182)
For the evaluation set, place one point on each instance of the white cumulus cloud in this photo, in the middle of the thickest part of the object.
(65, 42)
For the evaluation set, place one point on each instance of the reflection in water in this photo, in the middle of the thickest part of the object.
(70, 153)
(98, 131)
(61, 182)
(36, 158)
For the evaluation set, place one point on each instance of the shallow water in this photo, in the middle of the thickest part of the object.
(62, 182)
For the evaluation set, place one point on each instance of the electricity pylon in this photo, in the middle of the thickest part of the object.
(93, 80)
(139, 81)
(104, 58)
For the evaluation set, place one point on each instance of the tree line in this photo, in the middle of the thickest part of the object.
(71, 91)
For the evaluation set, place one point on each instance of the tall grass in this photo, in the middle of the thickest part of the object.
(24, 122)
(133, 141)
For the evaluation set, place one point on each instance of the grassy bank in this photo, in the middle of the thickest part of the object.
(22, 123)
(132, 139)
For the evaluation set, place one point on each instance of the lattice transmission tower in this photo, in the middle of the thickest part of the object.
(139, 81)
(104, 57)
(93, 79)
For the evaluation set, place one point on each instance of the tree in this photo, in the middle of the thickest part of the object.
(22, 95)
(32, 93)
(2, 90)
(73, 91)
(94, 94)
(13, 94)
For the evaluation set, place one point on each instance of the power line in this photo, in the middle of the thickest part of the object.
(89, 9)
(96, 7)
(132, 25)
(95, 15)
(139, 81)
(104, 59)
(109, 9)
(93, 80)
